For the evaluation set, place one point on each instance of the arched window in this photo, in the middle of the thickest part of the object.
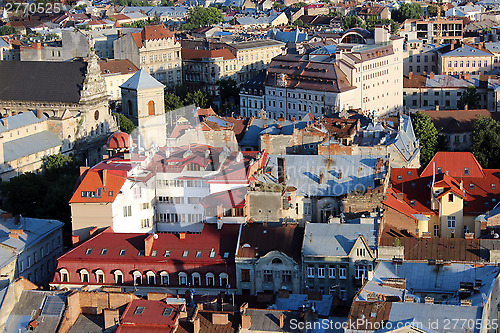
(137, 277)
(277, 261)
(84, 275)
(196, 278)
(164, 278)
(64, 275)
(129, 107)
(151, 108)
(210, 277)
(193, 167)
(151, 277)
(183, 279)
(224, 280)
(118, 277)
(99, 276)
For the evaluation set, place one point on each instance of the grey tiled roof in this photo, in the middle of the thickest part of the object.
(30, 144)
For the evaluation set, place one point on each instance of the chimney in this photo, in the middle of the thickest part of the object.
(246, 321)
(75, 239)
(13, 235)
(410, 75)
(148, 245)
(409, 299)
(282, 320)
(466, 107)
(459, 76)
(429, 300)
(321, 176)
(467, 76)
(17, 219)
(431, 76)
(39, 113)
(264, 126)
(196, 325)
(104, 177)
(220, 318)
(466, 302)
(281, 171)
(437, 107)
(119, 33)
(182, 235)
(83, 169)
(6, 123)
(111, 318)
(6, 216)
(399, 196)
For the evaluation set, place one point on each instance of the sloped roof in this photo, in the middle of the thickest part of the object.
(141, 80)
(192, 54)
(42, 81)
(453, 164)
(467, 51)
(117, 66)
(20, 120)
(151, 32)
(28, 145)
(456, 121)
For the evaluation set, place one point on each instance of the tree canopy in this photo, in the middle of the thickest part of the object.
(198, 17)
(352, 22)
(7, 30)
(125, 124)
(427, 134)
(172, 102)
(198, 98)
(408, 10)
(486, 142)
(56, 161)
(432, 10)
(469, 97)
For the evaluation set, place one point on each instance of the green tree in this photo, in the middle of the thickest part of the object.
(486, 142)
(427, 134)
(353, 22)
(228, 90)
(298, 23)
(300, 4)
(56, 161)
(80, 7)
(432, 10)
(198, 98)
(278, 6)
(172, 102)
(408, 10)
(201, 17)
(168, 3)
(469, 97)
(125, 124)
(371, 23)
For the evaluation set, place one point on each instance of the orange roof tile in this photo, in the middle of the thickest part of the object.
(190, 54)
(94, 180)
(151, 32)
(454, 164)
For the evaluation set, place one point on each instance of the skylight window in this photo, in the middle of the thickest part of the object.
(198, 254)
(472, 186)
(154, 253)
(167, 253)
(141, 253)
(212, 253)
(466, 171)
(104, 252)
(122, 252)
(226, 254)
(167, 312)
(185, 254)
(139, 310)
(88, 252)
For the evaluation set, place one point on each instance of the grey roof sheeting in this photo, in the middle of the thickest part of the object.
(20, 120)
(467, 51)
(336, 239)
(256, 128)
(342, 174)
(30, 144)
(141, 80)
(42, 81)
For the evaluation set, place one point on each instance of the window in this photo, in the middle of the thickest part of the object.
(164, 278)
(99, 276)
(493, 186)
(466, 171)
(127, 211)
(104, 252)
(84, 276)
(436, 230)
(198, 254)
(450, 197)
(245, 275)
(360, 252)
(137, 277)
(88, 252)
(167, 253)
(343, 294)
(185, 253)
(451, 222)
(64, 274)
(286, 276)
(321, 271)
(224, 280)
(139, 310)
(361, 272)
(471, 186)
(182, 279)
(210, 280)
(310, 271)
(137, 192)
(151, 278)
(118, 277)
(268, 276)
(196, 278)
(212, 253)
(331, 272)
(342, 273)
(122, 252)
(307, 208)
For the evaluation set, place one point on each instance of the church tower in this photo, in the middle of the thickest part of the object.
(143, 102)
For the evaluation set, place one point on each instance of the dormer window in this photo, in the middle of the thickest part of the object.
(412, 203)
(400, 177)
(104, 252)
(88, 252)
(472, 186)
(409, 173)
(440, 170)
(466, 171)
(212, 253)
(493, 186)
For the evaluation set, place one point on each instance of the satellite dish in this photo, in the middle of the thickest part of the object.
(155, 236)
(496, 236)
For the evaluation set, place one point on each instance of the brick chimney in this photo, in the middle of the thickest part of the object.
(39, 113)
(431, 75)
(93, 231)
(104, 177)
(148, 245)
(182, 235)
(410, 75)
(111, 318)
(459, 76)
(282, 320)
(6, 123)
(246, 321)
(13, 235)
(466, 107)
(75, 239)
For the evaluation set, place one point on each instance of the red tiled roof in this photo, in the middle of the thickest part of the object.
(93, 180)
(191, 54)
(398, 205)
(453, 164)
(151, 32)
(240, 126)
(205, 112)
(152, 313)
(179, 130)
(121, 66)
(234, 198)
(456, 121)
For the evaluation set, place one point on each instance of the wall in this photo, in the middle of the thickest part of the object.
(85, 216)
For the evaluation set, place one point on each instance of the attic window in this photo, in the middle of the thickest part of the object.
(122, 252)
(139, 310)
(167, 311)
(104, 252)
(110, 193)
(154, 253)
(167, 253)
(466, 171)
(226, 254)
(198, 254)
(400, 177)
(440, 170)
(471, 186)
(212, 253)
(493, 186)
(141, 253)
(185, 254)
(412, 203)
(88, 252)
(409, 173)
